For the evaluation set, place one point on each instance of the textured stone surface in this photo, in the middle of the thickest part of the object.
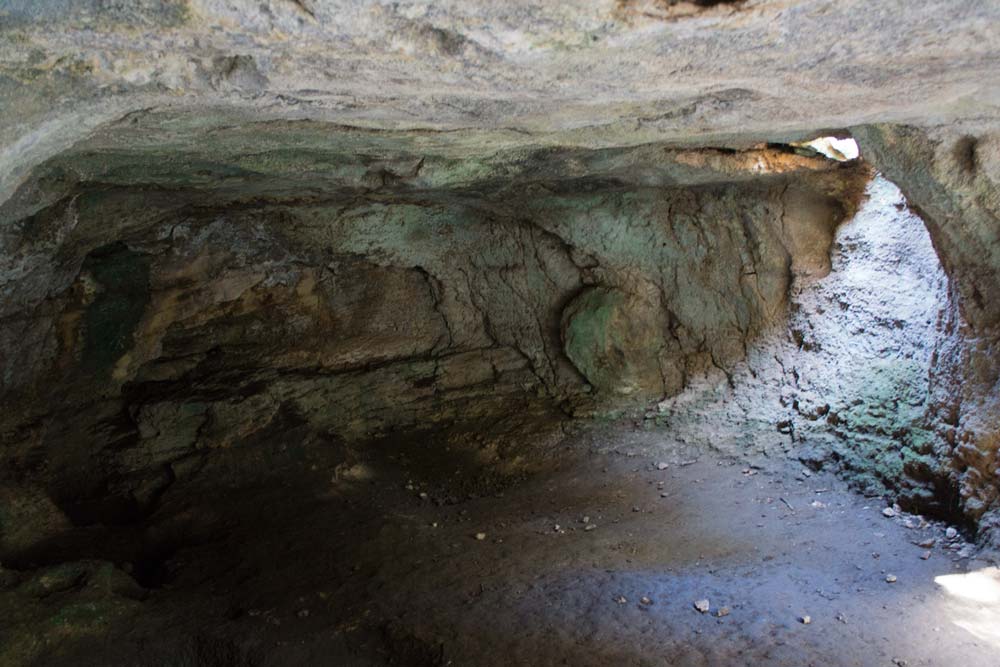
(951, 175)
(615, 340)
(849, 382)
(256, 253)
(152, 320)
(238, 234)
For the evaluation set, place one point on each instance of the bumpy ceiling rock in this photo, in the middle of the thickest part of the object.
(598, 72)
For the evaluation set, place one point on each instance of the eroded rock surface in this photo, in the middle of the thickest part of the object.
(850, 383)
(245, 242)
(152, 320)
(951, 175)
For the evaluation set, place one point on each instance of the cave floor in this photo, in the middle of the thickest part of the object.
(597, 559)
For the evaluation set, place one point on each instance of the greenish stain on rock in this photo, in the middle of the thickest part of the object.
(891, 395)
(883, 430)
(613, 339)
(111, 319)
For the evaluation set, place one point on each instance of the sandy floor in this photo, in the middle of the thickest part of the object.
(597, 561)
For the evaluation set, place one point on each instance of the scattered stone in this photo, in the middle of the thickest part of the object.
(899, 662)
(621, 599)
(926, 543)
(888, 512)
(556, 527)
(951, 533)
(702, 606)
(723, 611)
(585, 519)
(635, 508)
(842, 618)
(805, 620)
(817, 505)
(480, 536)
(664, 495)
(590, 526)
(645, 601)
(662, 466)
(925, 555)
(890, 578)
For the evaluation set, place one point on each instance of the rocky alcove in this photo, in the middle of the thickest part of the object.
(350, 333)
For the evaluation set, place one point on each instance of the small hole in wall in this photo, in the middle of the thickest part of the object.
(841, 150)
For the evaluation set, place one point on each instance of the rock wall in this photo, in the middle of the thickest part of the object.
(865, 343)
(220, 217)
(886, 368)
(164, 303)
(951, 176)
(845, 380)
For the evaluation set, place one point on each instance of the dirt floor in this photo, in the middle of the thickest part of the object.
(598, 559)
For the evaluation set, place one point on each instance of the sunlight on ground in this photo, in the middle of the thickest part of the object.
(975, 602)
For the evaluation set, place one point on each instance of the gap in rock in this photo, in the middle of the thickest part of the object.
(836, 148)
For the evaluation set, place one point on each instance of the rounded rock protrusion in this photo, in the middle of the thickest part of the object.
(615, 340)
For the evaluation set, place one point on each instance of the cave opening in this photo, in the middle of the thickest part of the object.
(841, 149)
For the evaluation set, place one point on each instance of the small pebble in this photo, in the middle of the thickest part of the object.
(480, 536)
(723, 611)
(889, 512)
(890, 578)
(702, 606)
(645, 601)
(662, 466)
(951, 533)
(585, 519)
(590, 526)
(925, 555)
(805, 620)
(621, 599)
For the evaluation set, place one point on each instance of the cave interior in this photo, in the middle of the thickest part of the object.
(284, 386)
